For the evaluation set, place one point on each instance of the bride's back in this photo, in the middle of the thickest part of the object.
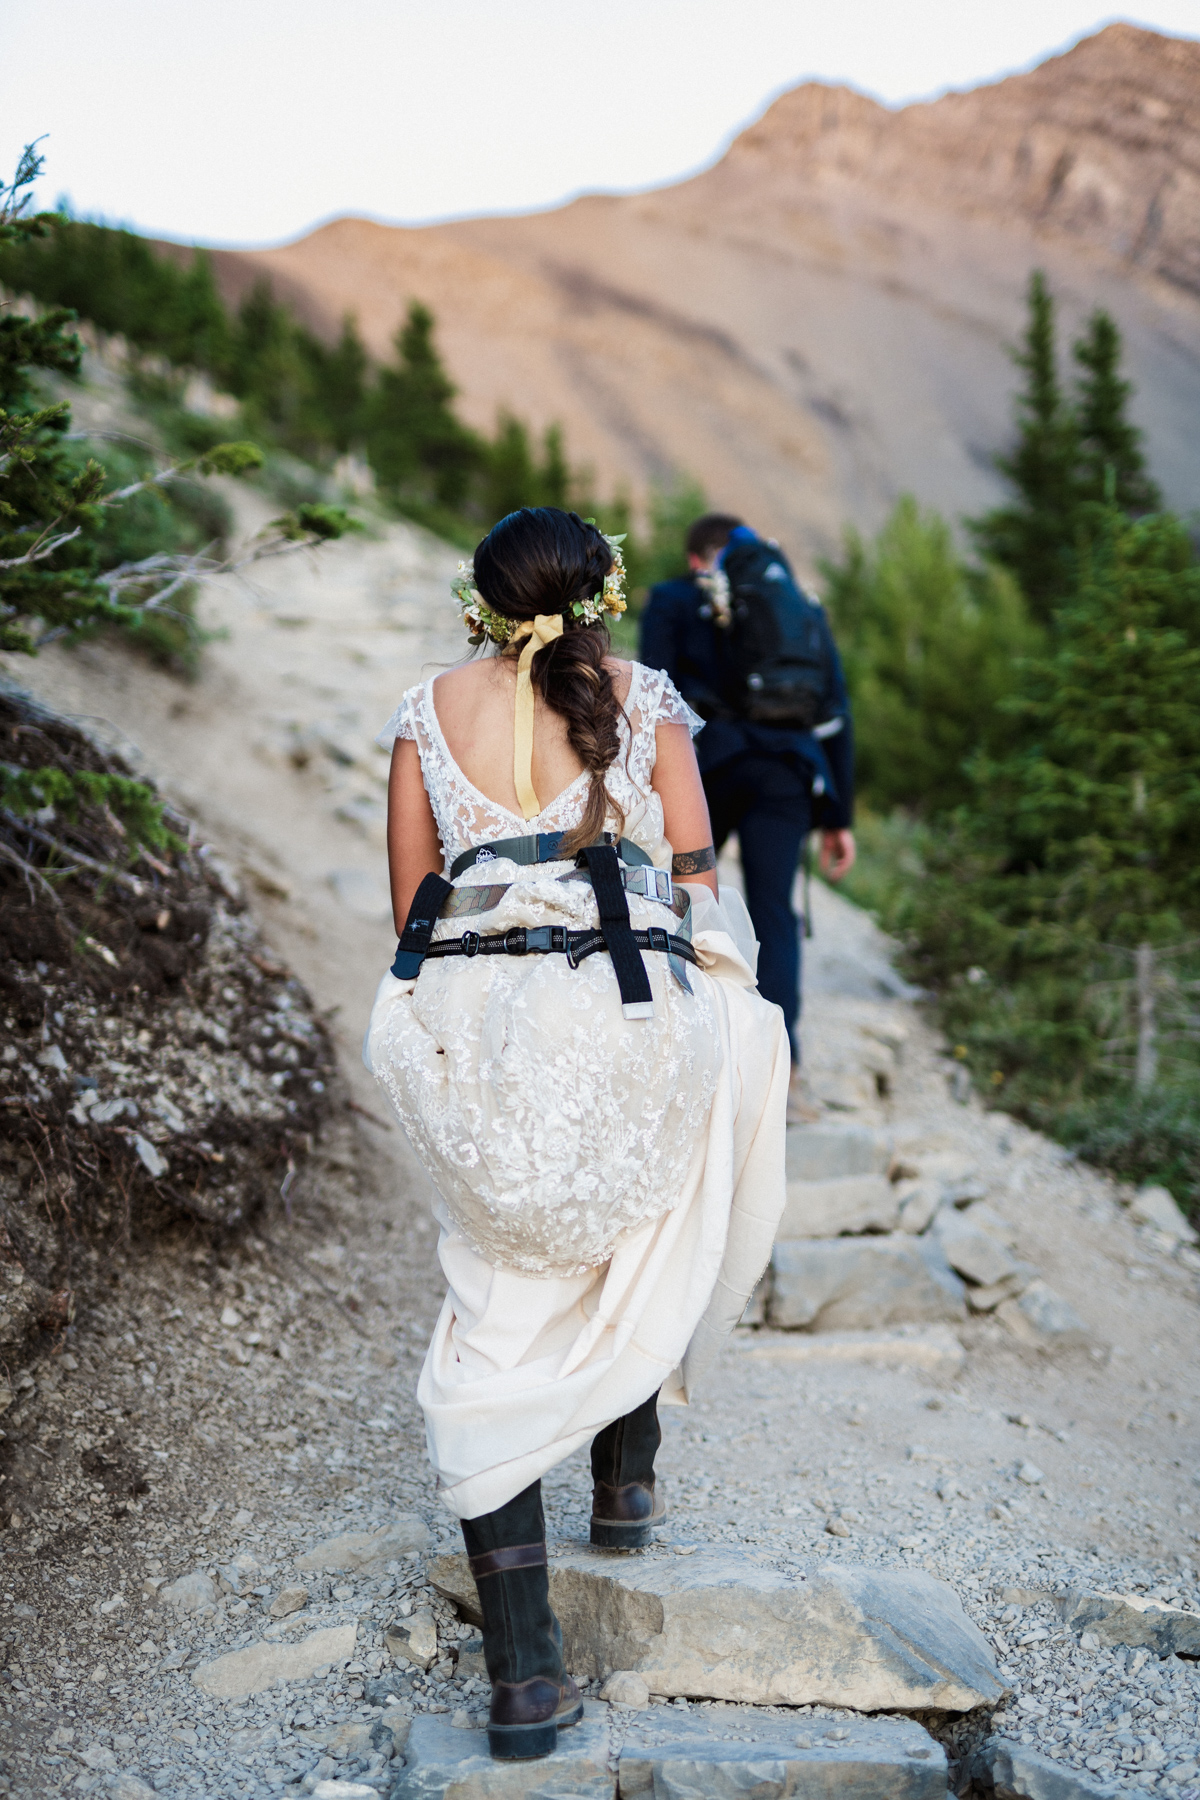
(476, 711)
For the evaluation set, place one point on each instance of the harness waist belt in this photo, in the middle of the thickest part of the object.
(541, 940)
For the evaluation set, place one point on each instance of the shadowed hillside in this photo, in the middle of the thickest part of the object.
(818, 322)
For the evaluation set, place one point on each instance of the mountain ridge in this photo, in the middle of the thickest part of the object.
(819, 320)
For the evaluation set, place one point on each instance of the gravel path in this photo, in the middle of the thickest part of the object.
(229, 1407)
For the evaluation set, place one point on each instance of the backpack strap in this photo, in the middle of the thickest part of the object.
(427, 903)
(543, 847)
(637, 999)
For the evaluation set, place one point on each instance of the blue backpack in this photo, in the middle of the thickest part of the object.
(779, 640)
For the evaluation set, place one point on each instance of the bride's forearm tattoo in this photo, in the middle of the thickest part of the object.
(694, 862)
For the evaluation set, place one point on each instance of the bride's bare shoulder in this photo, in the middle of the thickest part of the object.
(465, 679)
(622, 674)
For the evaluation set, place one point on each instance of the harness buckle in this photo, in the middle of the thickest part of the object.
(662, 884)
(515, 941)
(470, 943)
(660, 940)
(539, 938)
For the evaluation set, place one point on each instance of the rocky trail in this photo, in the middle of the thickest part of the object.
(912, 1543)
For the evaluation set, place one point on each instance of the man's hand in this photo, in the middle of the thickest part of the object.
(837, 854)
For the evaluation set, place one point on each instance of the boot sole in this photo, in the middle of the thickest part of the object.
(619, 1534)
(523, 1743)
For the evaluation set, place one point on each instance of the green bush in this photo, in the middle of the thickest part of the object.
(1146, 1137)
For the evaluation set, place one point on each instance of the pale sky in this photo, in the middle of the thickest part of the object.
(248, 121)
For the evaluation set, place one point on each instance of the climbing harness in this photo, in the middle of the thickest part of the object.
(606, 865)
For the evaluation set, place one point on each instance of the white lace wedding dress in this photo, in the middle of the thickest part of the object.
(608, 1189)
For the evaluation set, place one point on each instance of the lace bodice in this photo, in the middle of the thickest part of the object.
(549, 1123)
(466, 817)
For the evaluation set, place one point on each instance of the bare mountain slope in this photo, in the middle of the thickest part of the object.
(818, 322)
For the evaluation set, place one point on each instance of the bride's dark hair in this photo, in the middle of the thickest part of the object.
(541, 560)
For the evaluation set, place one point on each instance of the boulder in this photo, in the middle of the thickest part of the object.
(919, 1201)
(972, 1252)
(441, 1759)
(722, 1625)
(1131, 1619)
(190, 1593)
(355, 1550)
(732, 1753)
(414, 1639)
(845, 1203)
(854, 1284)
(987, 1299)
(830, 1152)
(984, 1217)
(261, 1665)
(127, 1786)
(471, 1659)
(287, 1601)
(1042, 1317)
(1012, 1771)
(626, 1689)
(1156, 1206)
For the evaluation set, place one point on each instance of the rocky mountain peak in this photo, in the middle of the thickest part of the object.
(1100, 143)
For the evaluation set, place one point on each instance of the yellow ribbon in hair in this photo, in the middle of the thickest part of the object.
(540, 631)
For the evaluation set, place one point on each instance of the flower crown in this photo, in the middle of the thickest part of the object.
(483, 622)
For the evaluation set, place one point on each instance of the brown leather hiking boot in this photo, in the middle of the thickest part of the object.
(626, 1505)
(533, 1697)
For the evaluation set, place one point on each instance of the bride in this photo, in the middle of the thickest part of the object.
(572, 1039)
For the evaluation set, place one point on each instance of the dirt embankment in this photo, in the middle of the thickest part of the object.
(157, 1065)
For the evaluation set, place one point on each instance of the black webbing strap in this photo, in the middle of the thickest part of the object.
(541, 940)
(418, 927)
(637, 1000)
(542, 847)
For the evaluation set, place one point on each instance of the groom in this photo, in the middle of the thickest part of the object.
(770, 785)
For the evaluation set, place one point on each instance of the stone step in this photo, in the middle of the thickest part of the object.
(860, 1283)
(1003, 1767)
(443, 1760)
(724, 1624)
(727, 1753)
(933, 1349)
(844, 1203)
(723, 1752)
(826, 1152)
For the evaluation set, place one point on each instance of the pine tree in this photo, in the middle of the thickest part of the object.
(930, 649)
(1033, 535)
(510, 478)
(1107, 438)
(339, 388)
(267, 368)
(1064, 448)
(201, 336)
(1075, 865)
(414, 438)
(554, 478)
(62, 570)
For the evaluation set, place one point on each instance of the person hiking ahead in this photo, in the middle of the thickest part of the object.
(754, 656)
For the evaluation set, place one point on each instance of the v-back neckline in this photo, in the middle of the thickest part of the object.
(487, 800)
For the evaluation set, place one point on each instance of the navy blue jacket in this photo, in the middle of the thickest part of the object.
(678, 637)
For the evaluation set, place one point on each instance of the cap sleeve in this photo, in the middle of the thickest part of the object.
(400, 725)
(673, 709)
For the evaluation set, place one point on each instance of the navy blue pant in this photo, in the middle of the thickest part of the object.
(767, 801)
